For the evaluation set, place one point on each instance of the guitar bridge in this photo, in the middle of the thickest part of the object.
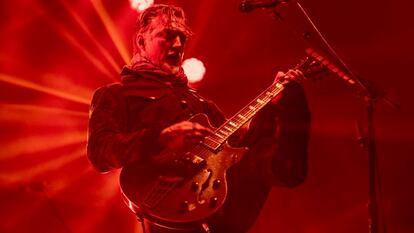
(195, 161)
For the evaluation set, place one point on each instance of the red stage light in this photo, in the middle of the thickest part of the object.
(141, 5)
(194, 69)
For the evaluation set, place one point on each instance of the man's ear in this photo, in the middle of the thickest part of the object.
(140, 42)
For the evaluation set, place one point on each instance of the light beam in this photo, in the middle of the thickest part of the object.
(33, 86)
(34, 144)
(86, 30)
(30, 173)
(111, 29)
(13, 112)
(91, 57)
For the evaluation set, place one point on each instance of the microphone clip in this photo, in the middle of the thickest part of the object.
(247, 6)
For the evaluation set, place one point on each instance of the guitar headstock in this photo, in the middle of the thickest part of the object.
(315, 65)
(312, 69)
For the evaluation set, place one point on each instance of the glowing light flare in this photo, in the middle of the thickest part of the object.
(26, 108)
(67, 83)
(140, 5)
(51, 91)
(111, 29)
(40, 143)
(95, 60)
(88, 32)
(91, 57)
(39, 115)
(194, 69)
(31, 173)
(66, 180)
(107, 184)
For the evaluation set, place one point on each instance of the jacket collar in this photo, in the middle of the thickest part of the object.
(146, 70)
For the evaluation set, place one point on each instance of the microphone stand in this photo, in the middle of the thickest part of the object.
(371, 95)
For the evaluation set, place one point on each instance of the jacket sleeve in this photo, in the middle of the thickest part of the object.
(110, 144)
(280, 133)
(290, 161)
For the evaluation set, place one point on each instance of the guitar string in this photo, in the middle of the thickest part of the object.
(162, 192)
(247, 112)
(148, 198)
(273, 89)
(152, 196)
(162, 187)
(159, 191)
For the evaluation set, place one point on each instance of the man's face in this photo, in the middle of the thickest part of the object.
(162, 46)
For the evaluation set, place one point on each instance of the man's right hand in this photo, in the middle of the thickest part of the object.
(177, 139)
(181, 135)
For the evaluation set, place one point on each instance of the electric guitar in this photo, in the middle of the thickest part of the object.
(187, 198)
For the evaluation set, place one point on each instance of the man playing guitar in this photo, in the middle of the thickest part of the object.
(134, 122)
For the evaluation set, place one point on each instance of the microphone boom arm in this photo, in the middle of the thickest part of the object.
(247, 6)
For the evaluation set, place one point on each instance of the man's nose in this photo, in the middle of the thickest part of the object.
(177, 42)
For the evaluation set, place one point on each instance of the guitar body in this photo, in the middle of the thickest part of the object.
(181, 201)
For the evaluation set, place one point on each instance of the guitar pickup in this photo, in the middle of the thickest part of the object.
(195, 160)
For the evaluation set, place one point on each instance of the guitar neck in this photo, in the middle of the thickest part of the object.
(223, 133)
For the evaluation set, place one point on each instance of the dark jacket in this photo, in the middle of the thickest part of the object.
(127, 118)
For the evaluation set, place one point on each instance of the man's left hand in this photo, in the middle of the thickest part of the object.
(290, 75)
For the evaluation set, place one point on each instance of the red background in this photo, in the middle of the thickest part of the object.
(50, 65)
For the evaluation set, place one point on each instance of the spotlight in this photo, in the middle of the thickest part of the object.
(194, 69)
(140, 5)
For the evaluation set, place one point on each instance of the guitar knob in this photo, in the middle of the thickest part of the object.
(194, 186)
(234, 158)
(216, 184)
(213, 202)
(184, 206)
(187, 207)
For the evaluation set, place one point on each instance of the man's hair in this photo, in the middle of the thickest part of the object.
(172, 12)
(175, 18)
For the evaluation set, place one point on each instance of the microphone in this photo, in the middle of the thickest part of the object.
(250, 5)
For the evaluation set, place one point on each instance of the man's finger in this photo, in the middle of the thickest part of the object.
(202, 128)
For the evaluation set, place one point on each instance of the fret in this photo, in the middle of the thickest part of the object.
(223, 132)
(218, 135)
(209, 139)
(268, 97)
(228, 128)
(211, 143)
(260, 101)
(239, 119)
(232, 124)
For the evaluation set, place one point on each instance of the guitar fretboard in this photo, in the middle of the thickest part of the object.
(222, 133)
